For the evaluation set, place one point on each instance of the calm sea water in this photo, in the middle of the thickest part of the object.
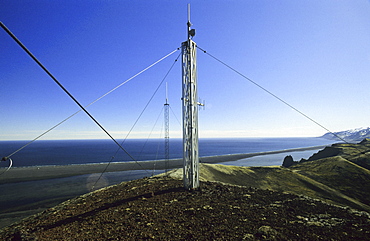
(66, 152)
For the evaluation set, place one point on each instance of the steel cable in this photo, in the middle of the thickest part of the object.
(272, 94)
(82, 108)
(136, 121)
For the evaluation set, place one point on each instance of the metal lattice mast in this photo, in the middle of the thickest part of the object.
(190, 111)
(166, 132)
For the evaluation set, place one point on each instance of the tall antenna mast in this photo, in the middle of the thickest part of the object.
(190, 110)
(166, 131)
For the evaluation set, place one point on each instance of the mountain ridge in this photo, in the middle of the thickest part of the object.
(352, 135)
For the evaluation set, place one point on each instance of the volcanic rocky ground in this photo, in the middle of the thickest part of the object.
(160, 208)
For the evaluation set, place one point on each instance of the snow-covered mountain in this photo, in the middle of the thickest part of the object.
(354, 135)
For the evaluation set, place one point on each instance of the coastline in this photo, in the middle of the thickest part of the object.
(23, 174)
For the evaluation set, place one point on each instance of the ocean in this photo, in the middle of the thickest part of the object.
(67, 152)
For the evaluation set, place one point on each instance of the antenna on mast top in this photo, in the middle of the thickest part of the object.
(166, 94)
(191, 32)
(189, 14)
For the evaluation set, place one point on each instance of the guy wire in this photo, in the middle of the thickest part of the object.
(272, 94)
(142, 112)
(61, 86)
(82, 108)
(126, 81)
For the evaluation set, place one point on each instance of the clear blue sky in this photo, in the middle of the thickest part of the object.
(315, 55)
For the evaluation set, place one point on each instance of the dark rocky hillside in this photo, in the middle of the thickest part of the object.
(160, 209)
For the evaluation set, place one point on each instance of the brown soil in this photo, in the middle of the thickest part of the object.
(160, 209)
